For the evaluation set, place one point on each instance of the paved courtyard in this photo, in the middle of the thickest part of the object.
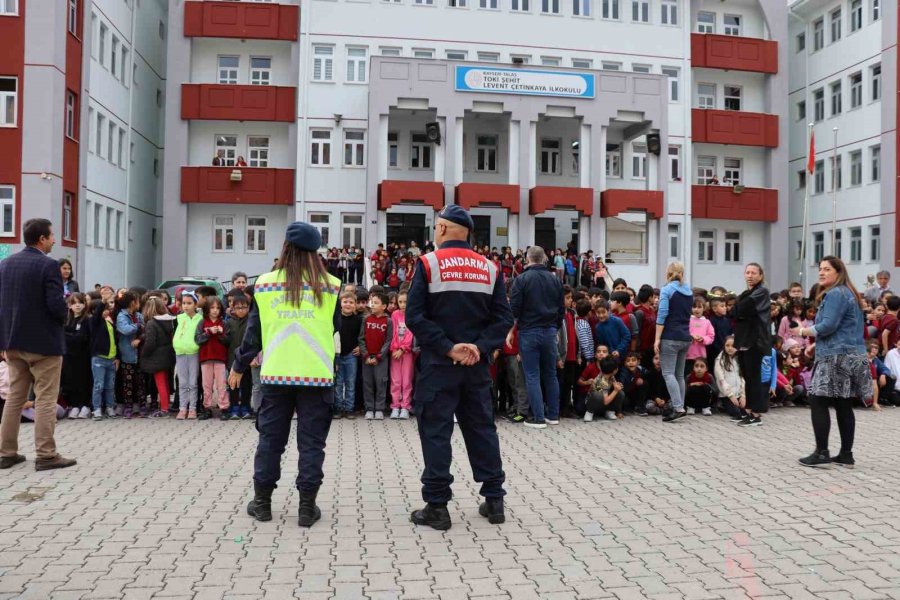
(634, 509)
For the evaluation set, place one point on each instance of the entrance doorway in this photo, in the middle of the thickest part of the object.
(404, 228)
(481, 236)
(545, 233)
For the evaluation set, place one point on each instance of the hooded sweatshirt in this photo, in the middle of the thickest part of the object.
(675, 302)
(402, 338)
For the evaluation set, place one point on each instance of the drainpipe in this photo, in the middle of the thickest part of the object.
(302, 134)
(134, 56)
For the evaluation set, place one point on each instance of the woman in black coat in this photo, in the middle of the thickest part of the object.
(753, 339)
(157, 353)
(70, 286)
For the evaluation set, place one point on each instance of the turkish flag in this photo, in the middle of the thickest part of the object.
(811, 163)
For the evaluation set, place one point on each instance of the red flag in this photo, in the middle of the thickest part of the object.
(811, 163)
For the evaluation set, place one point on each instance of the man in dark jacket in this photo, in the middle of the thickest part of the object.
(32, 314)
(536, 301)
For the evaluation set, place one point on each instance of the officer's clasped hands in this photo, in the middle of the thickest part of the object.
(465, 354)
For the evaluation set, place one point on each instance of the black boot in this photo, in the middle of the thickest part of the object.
(819, 458)
(492, 508)
(309, 512)
(434, 515)
(260, 508)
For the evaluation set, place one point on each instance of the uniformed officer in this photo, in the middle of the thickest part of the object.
(458, 311)
(294, 316)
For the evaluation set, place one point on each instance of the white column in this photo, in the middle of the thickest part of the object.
(585, 162)
(380, 135)
(458, 152)
(532, 154)
(512, 224)
(526, 226)
(599, 235)
(440, 153)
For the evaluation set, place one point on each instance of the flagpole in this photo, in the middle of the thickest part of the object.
(805, 228)
(834, 190)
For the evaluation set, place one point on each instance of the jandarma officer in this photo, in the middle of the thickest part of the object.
(458, 311)
(294, 316)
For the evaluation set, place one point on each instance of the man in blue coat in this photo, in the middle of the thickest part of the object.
(32, 314)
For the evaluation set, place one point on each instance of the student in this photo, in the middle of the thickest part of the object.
(130, 325)
(586, 380)
(722, 326)
(213, 353)
(648, 324)
(884, 382)
(606, 392)
(612, 333)
(348, 358)
(584, 333)
(700, 390)
(792, 320)
(401, 348)
(634, 384)
(889, 334)
(730, 382)
(657, 391)
(568, 374)
(515, 378)
(187, 358)
(158, 355)
(374, 341)
(702, 334)
(235, 327)
(619, 305)
(104, 360)
(75, 381)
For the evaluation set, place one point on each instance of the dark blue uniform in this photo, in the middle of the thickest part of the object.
(457, 296)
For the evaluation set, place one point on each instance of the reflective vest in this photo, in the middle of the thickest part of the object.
(297, 341)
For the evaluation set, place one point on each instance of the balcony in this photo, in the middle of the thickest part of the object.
(614, 202)
(238, 102)
(734, 127)
(392, 192)
(723, 202)
(734, 53)
(547, 197)
(205, 185)
(243, 20)
(472, 195)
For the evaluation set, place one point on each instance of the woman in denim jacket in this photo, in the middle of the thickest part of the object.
(841, 372)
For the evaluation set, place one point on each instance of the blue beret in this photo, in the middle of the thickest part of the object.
(457, 214)
(304, 236)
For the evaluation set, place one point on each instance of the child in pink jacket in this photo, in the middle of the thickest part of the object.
(401, 362)
(702, 334)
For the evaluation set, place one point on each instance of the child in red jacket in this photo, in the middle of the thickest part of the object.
(213, 354)
(374, 342)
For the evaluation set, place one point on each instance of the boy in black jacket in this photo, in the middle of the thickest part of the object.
(234, 335)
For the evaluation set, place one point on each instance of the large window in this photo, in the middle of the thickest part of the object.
(836, 104)
(393, 149)
(257, 151)
(801, 110)
(98, 139)
(551, 163)
(706, 246)
(351, 230)
(226, 148)
(260, 70)
(876, 10)
(855, 15)
(354, 148)
(73, 17)
(706, 95)
(228, 69)
(101, 43)
(733, 246)
(819, 177)
(835, 20)
(114, 66)
(875, 157)
(9, 7)
(674, 240)
(856, 90)
(486, 154)
(706, 169)
(610, 9)
(675, 163)
(876, 82)
(111, 142)
(732, 171)
(71, 114)
(855, 244)
(838, 243)
(639, 161)
(874, 243)
(111, 223)
(420, 152)
(856, 167)
(7, 211)
(322, 222)
(9, 104)
(223, 233)
(732, 97)
(801, 41)
(706, 22)
(256, 234)
(818, 104)
(836, 172)
(98, 217)
(68, 217)
(668, 12)
(818, 247)
(120, 150)
(640, 11)
(356, 65)
(491, 4)
(489, 56)
(818, 34)
(732, 25)
(520, 5)
(320, 148)
(613, 160)
(580, 8)
(323, 63)
(672, 74)
(550, 7)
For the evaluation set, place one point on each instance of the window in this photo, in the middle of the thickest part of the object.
(7, 210)
(131, 153)
(706, 169)
(260, 70)
(450, 3)
(706, 246)
(68, 207)
(706, 22)
(425, 2)
(118, 231)
(227, 146)
(356, 65)
(487, 4)
(114, 58)
(638, 161)
(73, 17)
(9, 7)
(835, 98)
(111, 228)
(732, 97)
(675, 163)
(91, 132)
(323, 63)
(668, 12)
(320, 148)
(156, 167)
(550, 7)
(9, 105)
(835, 172)
(801, 179)
(801, 42)
(228, 69)
(423, 53)
(640, 11)
(257, 151)
(876, 10)
(110, 139)
(610, 9)
(390, 51)
(98, 215)
(855, 244)
(582, 63)
(818, 247)
(819, 177)
(640, 68)
(856, 91)
(613, 160)
(550, 61)
(818, 104)
(420, 152)
(732, 246)
(322, 222)
(801, 110)
(674, 240)
(732, 171)
(393, 149)
(855, 15)
(550, 157)
(101, 120)
(161, 30)
(874, 243)
(611, 66)
(123, 69)
(256, 234)
(581, 8)
(101, 39)
(351, 230)
(856, 167)
(223, 233)
(456, 55)
(672, 74)
(838, 242)
(489, 56)
(71, 114)
(520, 5)
(818, 34)
(354, 148)
(486, 154)
(706, 95)
(876, 82)
(159, 98)
(875, 153)
(576, 155)
(120, 156)
(732, 25)
(835, 20)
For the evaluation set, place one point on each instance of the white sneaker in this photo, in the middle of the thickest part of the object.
(611, 415)
(98, 415)
(111, 413)
(691, 411)
(707, 412)
(85, 412)
(73, 414)
(379, 416)
(404, 414)
(455, 420)
(370, 415)
(588, 417)
(552, 421)
(395, 413)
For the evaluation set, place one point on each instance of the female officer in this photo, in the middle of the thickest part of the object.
(294, 316)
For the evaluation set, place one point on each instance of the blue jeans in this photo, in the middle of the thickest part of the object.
(345, 383)
(671, 362)
(539, 354)
(104, 392)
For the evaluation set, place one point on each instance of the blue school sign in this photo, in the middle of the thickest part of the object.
(525, 82)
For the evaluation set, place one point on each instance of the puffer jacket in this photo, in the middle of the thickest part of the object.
(157, 353)
(751, 315)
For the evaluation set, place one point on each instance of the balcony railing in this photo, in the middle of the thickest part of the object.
(615, 202)
(471, 195)
(226, 102)
(734, 127)
(546, 197)
(734, 53)
(244, 20)
(735, 203)
(237, 185)
(392, 192)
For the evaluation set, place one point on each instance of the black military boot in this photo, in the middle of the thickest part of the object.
(492, 508)
(309, 512)
(260, 508)
(434, 515)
